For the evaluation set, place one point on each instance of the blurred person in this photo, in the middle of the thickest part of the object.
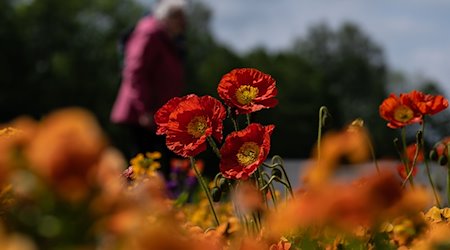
(152, 74)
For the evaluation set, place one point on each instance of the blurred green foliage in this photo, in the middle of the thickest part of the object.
(64, 53)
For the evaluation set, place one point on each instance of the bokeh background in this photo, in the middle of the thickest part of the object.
(347, 55)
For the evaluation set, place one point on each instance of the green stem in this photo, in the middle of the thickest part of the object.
(372, 152)
(273, 195)
(260, 182)
(416, 154)
(286, 185)
(322, 111)
(214, 147)
(269, 184)
(235, 124)
(205, 189)
(405, 157)
(427, 167)
(281, 164)
(249, 120)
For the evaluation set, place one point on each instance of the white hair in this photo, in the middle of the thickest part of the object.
(163, 8)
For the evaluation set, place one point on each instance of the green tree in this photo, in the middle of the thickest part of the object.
(61, 53)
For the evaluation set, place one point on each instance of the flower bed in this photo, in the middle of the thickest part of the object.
(63, 187)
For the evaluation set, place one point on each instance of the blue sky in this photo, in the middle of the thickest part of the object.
(415, 34)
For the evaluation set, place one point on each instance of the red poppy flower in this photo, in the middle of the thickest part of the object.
(244, 150)
(428, 104)
(191, 122)
(248, 90)
(399, 111)
(403, 173)
(161, 117)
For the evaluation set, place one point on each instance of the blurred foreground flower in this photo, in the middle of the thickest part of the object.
(375, 199)
(65, 150)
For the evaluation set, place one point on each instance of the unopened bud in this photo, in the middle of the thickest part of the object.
(433, 155)
(276, 172)
(223, 184)
(443, 160)
(397, 145)
(419, 136)
(216, 194)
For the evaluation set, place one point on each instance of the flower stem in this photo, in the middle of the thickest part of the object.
(214, 147)
(234, 121)
(405, 157)
(249, 120)
(260, 183)
(416, 154)
(427, 167)
(205, 189)
(322, 111)
(281, 164)
(372, 152)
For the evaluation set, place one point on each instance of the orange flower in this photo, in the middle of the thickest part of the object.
(66, 150)
(245, 150)
(399, 111)
(248, 90)
(190, 123)
(12, 140)
(428, 104)
(347, 206)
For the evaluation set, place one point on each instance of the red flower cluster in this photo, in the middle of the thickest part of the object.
(248, 90)
(245, 150)
(188, 121)
(410, 108)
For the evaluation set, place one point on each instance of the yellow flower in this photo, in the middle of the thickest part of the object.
(145, 166)
(153, 155)
(436, 215)
(9, 132)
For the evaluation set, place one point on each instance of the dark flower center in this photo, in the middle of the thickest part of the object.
(248, 153)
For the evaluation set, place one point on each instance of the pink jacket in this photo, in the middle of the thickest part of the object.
(152, 73)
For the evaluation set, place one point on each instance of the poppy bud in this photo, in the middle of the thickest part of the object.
(216, 194)
(326, 120)
(223, 184)
(276, 172)
(433, 155)
(443, 160)
(419, 136)
(398, 145)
